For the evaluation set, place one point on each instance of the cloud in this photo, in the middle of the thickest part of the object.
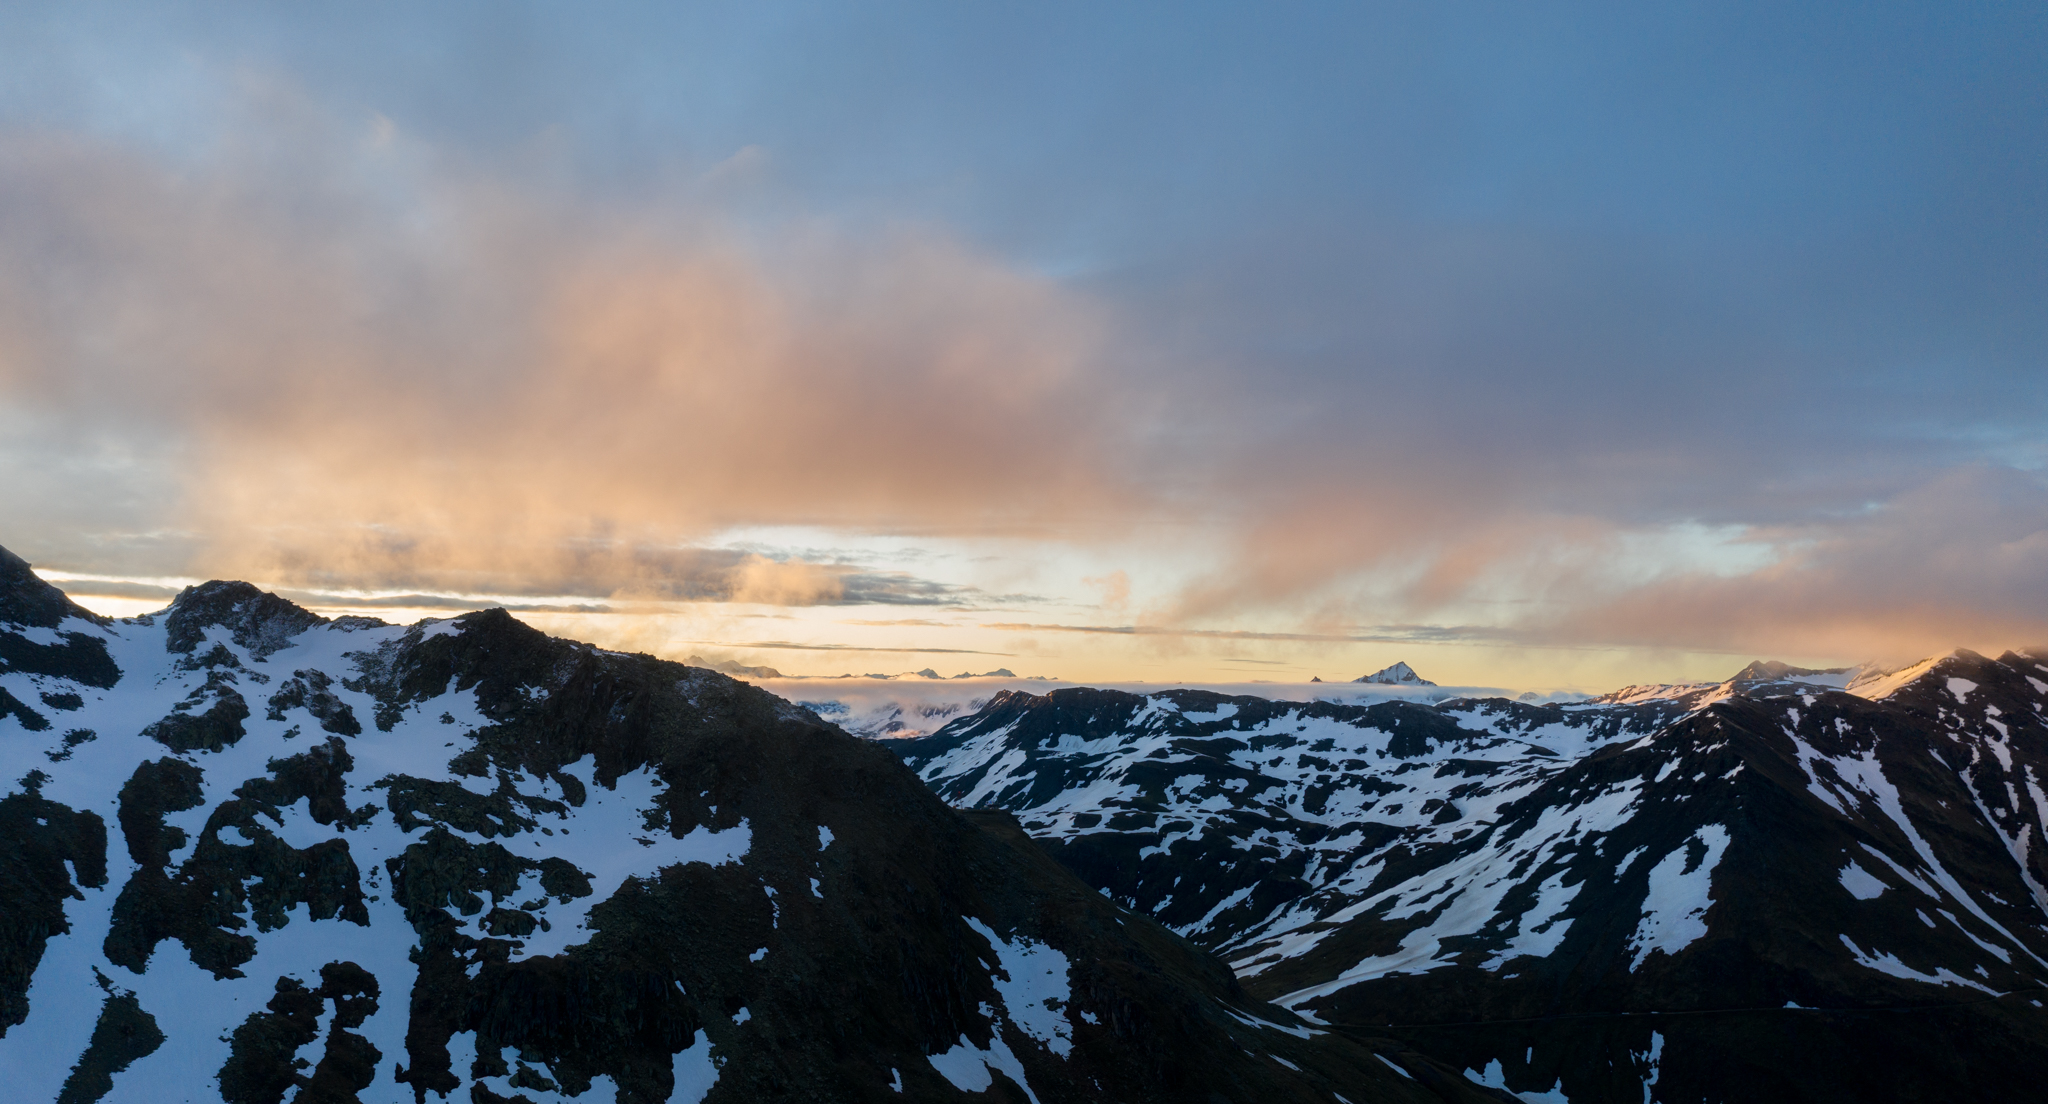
(1384, 634)
(1959, 561)
(326, 351)
(1115, 588)
(357, 358)
(786, 645)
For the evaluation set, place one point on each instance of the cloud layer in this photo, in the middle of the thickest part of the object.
(1529, 355)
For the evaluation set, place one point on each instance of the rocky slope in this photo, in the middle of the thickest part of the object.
(249, 854)
(1768, 888)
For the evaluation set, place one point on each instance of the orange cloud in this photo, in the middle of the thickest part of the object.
(472, 383)
(332, 356)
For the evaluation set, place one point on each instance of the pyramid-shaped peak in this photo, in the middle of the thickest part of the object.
(1400, 674)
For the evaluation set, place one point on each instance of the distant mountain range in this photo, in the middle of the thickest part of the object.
(741, 670)
(1790, 885)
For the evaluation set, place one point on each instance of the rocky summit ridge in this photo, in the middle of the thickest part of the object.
(251, 854)
(1791, 885)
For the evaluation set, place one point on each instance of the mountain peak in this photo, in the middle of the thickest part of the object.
(25, 599)
(652, 953)
(1771, 670)
(260, 621)
(1400, 674)
(736, 670)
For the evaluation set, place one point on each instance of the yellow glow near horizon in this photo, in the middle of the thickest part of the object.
(822, 642)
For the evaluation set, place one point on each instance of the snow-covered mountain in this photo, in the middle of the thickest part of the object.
(1783, 886)
(907, 708)
(1400, 674)
(248, 853)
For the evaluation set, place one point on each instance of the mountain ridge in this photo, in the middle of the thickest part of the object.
(282, 856)
(1407, 867)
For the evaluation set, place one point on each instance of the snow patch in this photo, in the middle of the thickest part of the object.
(1886, 963)
(1034, 988)
(1861, 883)
(695, 1071)
(1674, 912)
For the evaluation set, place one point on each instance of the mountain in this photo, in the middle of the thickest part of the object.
(248, 853)
(891, 717)
(736, 670)
(1761, 677)
(1770, 888)
(1400, 674)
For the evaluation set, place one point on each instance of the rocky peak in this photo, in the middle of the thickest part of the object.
(1400, 674)
(260, 621)
(25, 599)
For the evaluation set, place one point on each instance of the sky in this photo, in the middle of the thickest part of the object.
(1536, 345)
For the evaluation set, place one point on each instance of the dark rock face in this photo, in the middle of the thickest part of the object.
(29, 602)
(123, 1033)
(209, 719)
(313, 692)
(543, 871)
(76, 654)
(52, 851)
(262, 1060)
(258, 621)
(1774, 891)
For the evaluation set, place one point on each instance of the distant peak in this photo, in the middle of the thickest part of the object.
(737, 670)
(1400, 674)
(1771, 670)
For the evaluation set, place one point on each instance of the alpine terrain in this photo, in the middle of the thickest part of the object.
(250, 854)
(1791, 885)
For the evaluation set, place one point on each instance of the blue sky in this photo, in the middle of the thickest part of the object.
(1657, 333)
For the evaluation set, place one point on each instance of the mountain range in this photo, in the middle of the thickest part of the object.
(252, 854)
(1790, 885)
